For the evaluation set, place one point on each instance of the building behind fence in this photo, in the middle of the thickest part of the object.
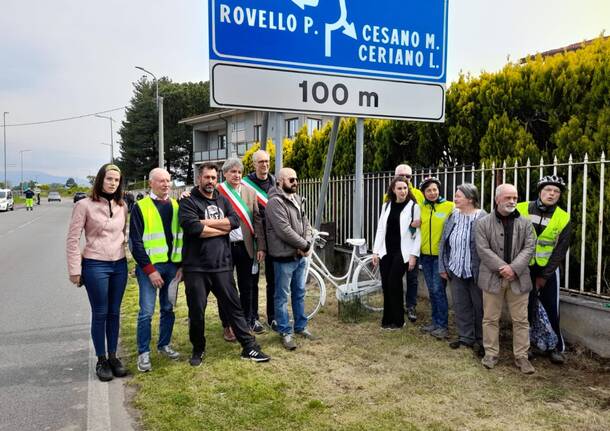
(585, 266)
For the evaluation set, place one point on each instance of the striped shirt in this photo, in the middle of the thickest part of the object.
(459, 242)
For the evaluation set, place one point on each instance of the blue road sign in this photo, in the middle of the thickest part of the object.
(382, 59)
(399, 39)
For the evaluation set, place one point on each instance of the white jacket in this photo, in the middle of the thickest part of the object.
(409, 244)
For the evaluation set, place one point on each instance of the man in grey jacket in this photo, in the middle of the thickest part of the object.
(289, 241)
(505, 243)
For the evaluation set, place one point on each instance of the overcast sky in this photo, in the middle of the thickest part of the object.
(64, 58)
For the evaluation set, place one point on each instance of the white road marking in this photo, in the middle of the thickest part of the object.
(21, 226)
(98, 407)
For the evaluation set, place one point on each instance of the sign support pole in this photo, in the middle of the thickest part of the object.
(327, 167)
(358, 214)
(161, 135)
(264, 129)
(279, 149)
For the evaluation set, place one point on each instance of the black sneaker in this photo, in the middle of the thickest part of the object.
(196, 359)
(556, 357)
(258, 328)
(254, 354)
(103, 371)
(411, 314)
(478, 349)
(118, 370)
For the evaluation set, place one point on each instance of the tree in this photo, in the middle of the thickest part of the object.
(70, 183)
(139, 131)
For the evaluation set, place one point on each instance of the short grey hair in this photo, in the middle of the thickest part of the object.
(257, 155)
(502, 188)
(471, 192)
(155, 171)
(231, 163)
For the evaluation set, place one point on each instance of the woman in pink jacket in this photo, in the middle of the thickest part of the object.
(101, 267)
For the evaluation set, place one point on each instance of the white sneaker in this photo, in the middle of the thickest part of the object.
(143, 362)
(168, 352)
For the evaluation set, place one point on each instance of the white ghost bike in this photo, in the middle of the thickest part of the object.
(361, 281)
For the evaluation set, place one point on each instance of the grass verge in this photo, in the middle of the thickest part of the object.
(356, 377)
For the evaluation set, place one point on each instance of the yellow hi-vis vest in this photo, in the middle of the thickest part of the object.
(154, 234)
(432, 222)
(545, 243)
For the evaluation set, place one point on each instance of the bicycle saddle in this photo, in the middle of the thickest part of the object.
(356, 242)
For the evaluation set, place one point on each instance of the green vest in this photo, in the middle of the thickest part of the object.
(154, 234)
(545, 243)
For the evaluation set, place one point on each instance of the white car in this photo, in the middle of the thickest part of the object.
(54, 196)
(6, 200)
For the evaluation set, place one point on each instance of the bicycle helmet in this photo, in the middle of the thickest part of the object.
(552, 180)
(427, 181)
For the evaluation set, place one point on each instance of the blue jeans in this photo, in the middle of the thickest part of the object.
(105, 283)
(148, 297)
(290, 281)
(436, 289)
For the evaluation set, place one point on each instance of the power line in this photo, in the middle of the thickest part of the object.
(67, 118)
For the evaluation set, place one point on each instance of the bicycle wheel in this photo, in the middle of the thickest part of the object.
(315, 293)
(367, 284)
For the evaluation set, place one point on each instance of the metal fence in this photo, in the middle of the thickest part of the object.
(584, 271)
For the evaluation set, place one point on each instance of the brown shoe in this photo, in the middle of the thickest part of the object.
(228, 334)
(489, 361)
(525, 366)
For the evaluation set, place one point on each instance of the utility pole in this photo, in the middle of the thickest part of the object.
(4, 128)
(111, 136)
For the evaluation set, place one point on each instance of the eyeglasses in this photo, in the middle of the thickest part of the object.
(292, 180)
(260, 162)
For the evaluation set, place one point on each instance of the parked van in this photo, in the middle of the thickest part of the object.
(6, 200)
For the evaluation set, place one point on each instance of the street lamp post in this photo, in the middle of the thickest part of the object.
(111, 136)
(160, 111)
(21, 155)
(108, 145)
(4, 128)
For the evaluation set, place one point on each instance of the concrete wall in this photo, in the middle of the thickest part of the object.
(586, 321)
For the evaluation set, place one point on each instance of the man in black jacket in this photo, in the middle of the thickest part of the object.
(207, 218)
(262, 181)
(552, 226)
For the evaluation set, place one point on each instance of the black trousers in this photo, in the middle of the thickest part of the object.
(412, 286)
(549, 298)
(198, 286)
(246, 281)
(392, 268)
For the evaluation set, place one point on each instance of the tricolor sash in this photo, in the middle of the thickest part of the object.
(261, 195)
(240, 207)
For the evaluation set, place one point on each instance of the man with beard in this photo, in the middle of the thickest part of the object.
(207, 218)
(289, 238)
(505, 244)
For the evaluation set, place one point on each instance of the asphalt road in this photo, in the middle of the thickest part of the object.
(47, 381)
